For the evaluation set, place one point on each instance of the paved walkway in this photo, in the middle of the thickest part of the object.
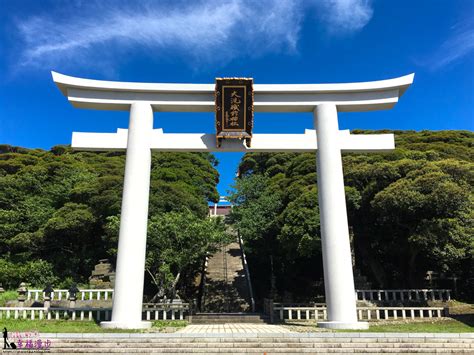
(233, 328)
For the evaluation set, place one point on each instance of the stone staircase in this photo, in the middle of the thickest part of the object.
(226, 287)
(291, 343)
(225, 318)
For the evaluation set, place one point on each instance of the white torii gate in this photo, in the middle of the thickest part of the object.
(324, 100)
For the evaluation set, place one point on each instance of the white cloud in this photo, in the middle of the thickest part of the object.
(212, 28)
(457, 46)
(345, 16)
(103, 32)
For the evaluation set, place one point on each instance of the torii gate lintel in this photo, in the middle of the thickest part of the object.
(206, 142)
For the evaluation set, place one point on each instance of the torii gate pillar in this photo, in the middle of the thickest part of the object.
(338, 275)
(131, 250)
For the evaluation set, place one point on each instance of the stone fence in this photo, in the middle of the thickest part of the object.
(92, 294)
(404, 295)
(166, 311)
(283, 312)
(55, 313)
(158, 312)
(362, 295)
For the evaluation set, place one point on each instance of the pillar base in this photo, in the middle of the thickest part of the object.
(125, 325)
(344, 325)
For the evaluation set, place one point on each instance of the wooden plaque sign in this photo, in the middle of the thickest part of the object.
(234, 109)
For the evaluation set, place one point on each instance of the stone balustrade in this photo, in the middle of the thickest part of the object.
(404, 295)
(86, 294)
(319, 313)
(158, 312)
(388, 313)
(55, 313)
(300, 313)
(165, 311)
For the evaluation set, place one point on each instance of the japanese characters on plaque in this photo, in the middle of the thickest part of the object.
(234, 109)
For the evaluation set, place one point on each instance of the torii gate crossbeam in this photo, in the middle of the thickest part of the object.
(324, 100)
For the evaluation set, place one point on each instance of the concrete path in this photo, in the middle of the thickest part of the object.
(233, 328)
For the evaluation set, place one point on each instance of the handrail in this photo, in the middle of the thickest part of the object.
(202, 286)
(226, 281)
(247, 271)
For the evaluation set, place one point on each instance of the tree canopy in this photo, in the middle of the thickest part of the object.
(59, 210)
(409, 211)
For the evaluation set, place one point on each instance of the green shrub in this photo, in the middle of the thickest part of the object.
(37, 273)
(7, 296)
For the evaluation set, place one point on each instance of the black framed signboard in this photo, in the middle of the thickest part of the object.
(234, 109)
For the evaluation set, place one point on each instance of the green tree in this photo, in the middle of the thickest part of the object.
(61, 207)
(409, 211)
(177, 245)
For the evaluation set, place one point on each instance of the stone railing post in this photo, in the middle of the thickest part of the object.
(271, 311)
(22, 290)
(192, 305)
(48, 292)
(73, 290)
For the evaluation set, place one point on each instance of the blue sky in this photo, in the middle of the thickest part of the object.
(273, 41)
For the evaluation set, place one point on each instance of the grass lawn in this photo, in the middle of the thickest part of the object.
(443, 325)
(435, 326)
(69, 326)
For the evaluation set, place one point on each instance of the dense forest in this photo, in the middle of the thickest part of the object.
(410, 211)
(59, 214)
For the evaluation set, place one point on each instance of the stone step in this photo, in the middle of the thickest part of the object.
(228, 315)
(228, 321)
(260, 348)
(226, 288)
(265, 344)
(223, 318)
(324, 337)
(164, 350)
(291, 343)
(258, 343)
(251, 344)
